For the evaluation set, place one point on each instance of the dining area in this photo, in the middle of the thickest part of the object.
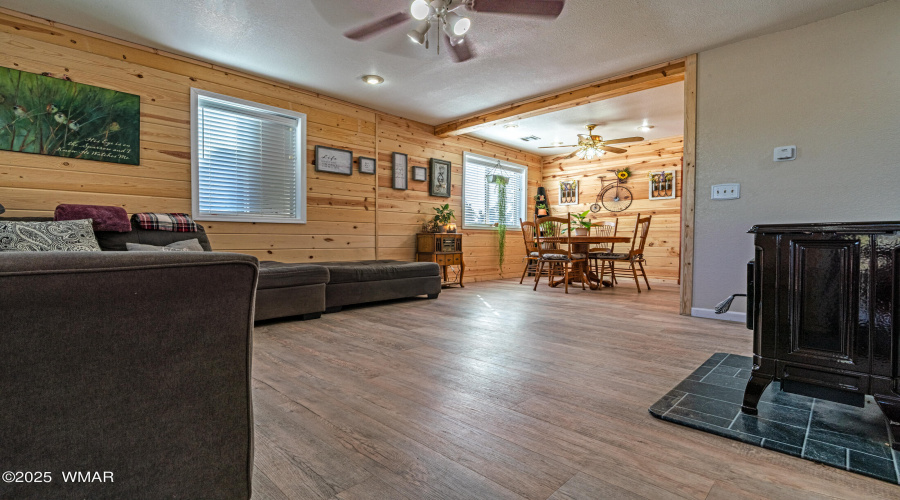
(592, 254)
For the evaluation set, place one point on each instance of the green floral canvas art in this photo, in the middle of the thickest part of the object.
(58, 117)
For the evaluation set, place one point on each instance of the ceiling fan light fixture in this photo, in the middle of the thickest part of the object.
(418, 35)
(456, 4)
(420, 9)
(456, 24)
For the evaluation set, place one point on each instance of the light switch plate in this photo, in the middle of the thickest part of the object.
(726, 192)
(785, 153)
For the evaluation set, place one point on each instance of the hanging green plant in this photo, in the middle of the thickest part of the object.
(501, 182)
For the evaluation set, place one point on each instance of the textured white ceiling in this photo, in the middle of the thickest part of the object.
(300, 42)
(662, 107)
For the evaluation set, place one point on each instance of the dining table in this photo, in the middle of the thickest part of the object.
(582, 244)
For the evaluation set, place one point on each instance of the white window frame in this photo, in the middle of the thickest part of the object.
(300, 214)
(504, 165)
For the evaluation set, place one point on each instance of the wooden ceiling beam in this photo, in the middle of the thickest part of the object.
(643, 79)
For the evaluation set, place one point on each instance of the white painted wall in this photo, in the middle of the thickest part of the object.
(832, 88)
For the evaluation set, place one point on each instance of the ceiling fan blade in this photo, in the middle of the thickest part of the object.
(462, 50)
(612, 150)
(375, 27)
(554, 147)
(626, 139)
(550, 8)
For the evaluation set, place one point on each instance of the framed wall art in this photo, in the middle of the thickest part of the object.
(568, 192)
(58, 117)
(440, 178)
(366, 165)
(399, 171)
(662, 185)
(335, 161)
(420, 174)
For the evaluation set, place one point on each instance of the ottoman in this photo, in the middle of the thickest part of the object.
(287, 289)
(363, 281)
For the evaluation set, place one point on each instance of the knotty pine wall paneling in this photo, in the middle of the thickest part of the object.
(663, 242)
(349, 218)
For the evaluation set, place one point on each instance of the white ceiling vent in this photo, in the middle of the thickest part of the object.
(530, 138)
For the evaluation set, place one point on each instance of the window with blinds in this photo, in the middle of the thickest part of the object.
(248, 160)
(483, 180)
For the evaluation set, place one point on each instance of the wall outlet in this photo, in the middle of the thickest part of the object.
(726, 192)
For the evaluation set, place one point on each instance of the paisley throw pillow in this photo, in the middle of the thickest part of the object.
(53, 236)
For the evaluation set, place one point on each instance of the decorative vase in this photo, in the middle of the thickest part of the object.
(581, 231)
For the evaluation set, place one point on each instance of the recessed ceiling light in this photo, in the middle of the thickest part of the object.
(373, 79)
(511, 125)
(559, 143)
(645, 128)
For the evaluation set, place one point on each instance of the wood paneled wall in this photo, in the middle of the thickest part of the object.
(663, 242)
(356, 217)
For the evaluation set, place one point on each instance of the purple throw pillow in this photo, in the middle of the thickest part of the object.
(106, 218)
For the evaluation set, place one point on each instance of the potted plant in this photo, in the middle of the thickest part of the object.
(443, 216)
(540, 205)
(581, 226)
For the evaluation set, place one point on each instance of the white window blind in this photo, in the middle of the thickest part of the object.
(249, 161)
(482, 182)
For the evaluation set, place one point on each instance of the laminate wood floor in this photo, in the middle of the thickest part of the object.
(497, 391)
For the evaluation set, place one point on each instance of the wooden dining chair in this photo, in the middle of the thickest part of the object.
(605, 228)
(532, 256)
(559, 257)
(635, 257)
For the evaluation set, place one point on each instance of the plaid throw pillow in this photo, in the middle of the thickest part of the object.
(180, 223)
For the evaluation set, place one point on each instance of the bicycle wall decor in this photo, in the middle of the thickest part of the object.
(615, 197)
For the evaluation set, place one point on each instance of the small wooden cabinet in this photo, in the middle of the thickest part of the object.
(446, 250)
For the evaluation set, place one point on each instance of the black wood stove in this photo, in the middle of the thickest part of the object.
(821, 300)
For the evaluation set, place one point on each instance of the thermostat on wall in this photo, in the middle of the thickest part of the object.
(785, 153)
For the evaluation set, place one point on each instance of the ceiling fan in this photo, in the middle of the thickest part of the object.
(448, 16)
(592, 146)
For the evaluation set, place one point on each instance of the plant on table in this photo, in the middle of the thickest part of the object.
(581, 221)
(443, 216)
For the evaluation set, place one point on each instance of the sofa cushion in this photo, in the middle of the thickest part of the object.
(105, 218)
(284, 274)
(50, 236)
(378, 270)
(191, 245)
(112, 241)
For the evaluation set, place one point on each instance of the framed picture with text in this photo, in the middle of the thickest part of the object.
(399, 171)
(366, 165)
(420, 174)
(440, 178)
(335, 161)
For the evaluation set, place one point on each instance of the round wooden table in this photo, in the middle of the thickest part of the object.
(582, 244)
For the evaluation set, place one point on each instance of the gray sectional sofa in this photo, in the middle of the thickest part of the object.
(130, 363)
(304, 291)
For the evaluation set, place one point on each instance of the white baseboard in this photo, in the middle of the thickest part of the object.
(711, 314)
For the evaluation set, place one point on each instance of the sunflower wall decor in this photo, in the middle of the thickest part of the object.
(568, 192)
(623, 174)
(662, 185)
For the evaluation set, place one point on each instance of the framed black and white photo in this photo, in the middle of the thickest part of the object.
(366, 165)
(440, 178)
(420, 174)
(399, 170)
(335, 161)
